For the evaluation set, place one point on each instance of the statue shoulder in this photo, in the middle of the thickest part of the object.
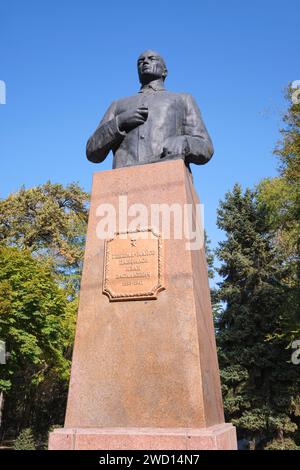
(184, 98)
(187, 97)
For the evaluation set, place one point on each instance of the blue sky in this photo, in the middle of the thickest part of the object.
(65, 61)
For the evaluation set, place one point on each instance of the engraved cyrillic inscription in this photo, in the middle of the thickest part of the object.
(133, 266)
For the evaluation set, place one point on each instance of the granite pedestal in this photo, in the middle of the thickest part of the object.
(144, 370)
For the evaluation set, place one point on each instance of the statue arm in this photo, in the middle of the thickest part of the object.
(199, 145)
(105, 138)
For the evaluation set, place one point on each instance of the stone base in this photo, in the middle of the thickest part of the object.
(218, 437)
(148, 363)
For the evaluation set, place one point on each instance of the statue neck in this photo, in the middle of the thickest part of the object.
(155, 84)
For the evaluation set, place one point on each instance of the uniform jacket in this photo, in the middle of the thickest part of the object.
(170, 115)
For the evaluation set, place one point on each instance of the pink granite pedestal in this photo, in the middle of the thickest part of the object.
(218, 437)
(145, 370)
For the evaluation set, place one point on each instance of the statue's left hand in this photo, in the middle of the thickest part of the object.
(175, 146)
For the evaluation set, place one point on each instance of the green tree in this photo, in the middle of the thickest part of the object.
(37, 325)
(25, 440)
(280, 197)
(49, 220)
(42, 237)
(209, 256)
(260, 385)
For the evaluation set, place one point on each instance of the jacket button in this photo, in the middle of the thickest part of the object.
(142, 136)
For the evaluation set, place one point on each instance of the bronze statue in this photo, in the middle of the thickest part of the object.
(152, 126)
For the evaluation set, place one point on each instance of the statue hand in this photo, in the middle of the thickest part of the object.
(175, 146)
(132, 118)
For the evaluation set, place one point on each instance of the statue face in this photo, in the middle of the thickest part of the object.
(150, 66)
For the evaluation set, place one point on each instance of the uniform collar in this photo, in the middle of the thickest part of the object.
(156, 85)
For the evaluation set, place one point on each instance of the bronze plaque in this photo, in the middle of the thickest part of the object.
(133, 266)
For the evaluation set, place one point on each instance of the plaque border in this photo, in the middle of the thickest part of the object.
(148, 295)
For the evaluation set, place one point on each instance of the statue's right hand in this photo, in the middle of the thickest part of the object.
(132, 118)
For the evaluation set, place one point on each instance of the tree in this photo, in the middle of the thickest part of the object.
(260, 385)
(42, 237)
(25, 440)
(37, 325)
(280, 197)
(50, 221)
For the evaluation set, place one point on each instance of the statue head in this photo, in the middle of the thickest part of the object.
(151, 66)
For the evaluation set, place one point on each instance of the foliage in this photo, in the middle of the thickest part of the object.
(282, 444)
(280, 197)
(42, 236)
(33, 316)
(37, 324)
(50, 221)
(209, 256)
(25, 440)
(260, 385)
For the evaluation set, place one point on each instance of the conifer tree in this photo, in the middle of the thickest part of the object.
(260, 385)
(25, 440)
